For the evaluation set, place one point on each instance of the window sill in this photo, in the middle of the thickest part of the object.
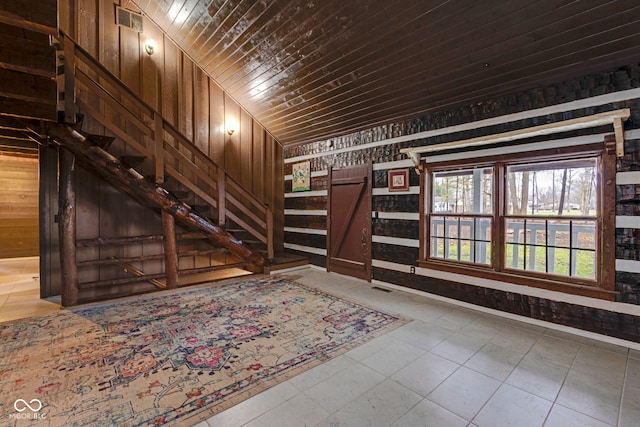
(516, 279)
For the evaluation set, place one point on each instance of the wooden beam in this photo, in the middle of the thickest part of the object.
(600, 119)
(170, 250)
(40, 16)
(67, 228)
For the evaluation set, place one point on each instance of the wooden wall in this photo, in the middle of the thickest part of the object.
(396, 218)
(18, 206)
(170, 82)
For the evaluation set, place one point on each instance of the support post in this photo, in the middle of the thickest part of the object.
(158, 148)
(222, 194)
(67, 228)
(170, 250)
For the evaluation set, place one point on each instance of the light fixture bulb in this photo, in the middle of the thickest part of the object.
(150, 46)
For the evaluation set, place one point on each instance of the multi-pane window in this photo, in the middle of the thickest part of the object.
(461, 215)
(540, 218)
(551, 222)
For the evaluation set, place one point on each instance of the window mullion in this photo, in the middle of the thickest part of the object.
(498, 230)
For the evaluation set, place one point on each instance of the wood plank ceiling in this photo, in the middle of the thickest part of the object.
(312, 69)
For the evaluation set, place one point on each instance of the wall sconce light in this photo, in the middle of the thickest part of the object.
(150, 46)
(231, 126)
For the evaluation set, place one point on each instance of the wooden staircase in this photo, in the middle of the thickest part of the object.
(219, 225)
(163, 170)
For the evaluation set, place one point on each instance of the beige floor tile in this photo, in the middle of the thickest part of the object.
(428, 414)
(565, 417)
(494, 361)
(381, 406)
(297, 411)
(538, 377)
(393, 357)
(510, 407)
(585, 393)
(340, 389)
(465, 392)
(459, 347)
(426, 373)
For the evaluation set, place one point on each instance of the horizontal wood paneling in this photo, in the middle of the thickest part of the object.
(18, 206)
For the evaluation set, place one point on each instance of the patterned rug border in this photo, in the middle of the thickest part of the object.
(203, 413)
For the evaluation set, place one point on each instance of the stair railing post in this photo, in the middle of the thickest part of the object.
(67, 228)
(158, 135)
(158, 147)
(270, 253)
(222, 194)
(70, 109)
(170, 250)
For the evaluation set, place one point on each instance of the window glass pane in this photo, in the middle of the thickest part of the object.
(557, 246)
(560, 188)
(461, 238)
(465, 191)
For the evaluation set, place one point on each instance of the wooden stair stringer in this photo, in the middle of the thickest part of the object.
(109, 168)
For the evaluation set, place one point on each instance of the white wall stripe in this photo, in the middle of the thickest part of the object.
(307, 249)
(400, 241)
(314, 174)
(627, 265)
(319, 212)
(617, 307)
(306, 230)
(624, 178)
(627, 221)
(398, 164)
(411, 216)
(306, 194)
(558, 108)
(541, 323)
(415, 189)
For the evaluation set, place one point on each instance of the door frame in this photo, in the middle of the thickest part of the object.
(368, 222)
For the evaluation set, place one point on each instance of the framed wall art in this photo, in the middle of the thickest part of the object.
(399, 180)
(301, 177)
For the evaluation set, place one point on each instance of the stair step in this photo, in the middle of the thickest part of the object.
(180, 194)
(132, 161)
(200, 208)
(100, 140)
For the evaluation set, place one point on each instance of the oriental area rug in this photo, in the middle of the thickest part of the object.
(172, 358)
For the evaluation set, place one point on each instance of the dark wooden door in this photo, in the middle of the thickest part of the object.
(349, 221)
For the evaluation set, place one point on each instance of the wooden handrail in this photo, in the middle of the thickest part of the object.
(218, 183)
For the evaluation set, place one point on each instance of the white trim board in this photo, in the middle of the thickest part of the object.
(308, 249)
(627, 221)
(618, 307)
(504, 314)
(305, 194)
(558, 108)
(318, 212)
(398, 241)
(306, 231)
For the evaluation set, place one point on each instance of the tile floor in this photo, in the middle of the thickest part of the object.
(450, 366)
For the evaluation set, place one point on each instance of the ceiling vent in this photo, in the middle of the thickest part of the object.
(129, 19)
